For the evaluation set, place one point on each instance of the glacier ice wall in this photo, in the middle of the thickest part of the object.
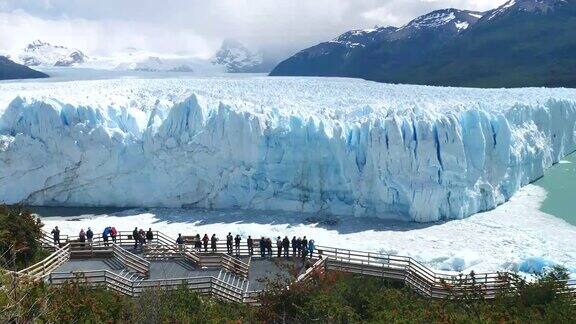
(198, 150)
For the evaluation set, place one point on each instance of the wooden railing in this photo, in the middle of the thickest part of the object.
(171, 251)
(132, 261)
(123, 238)
(47, 240)
(412, 273)
(234, 265)
(49, 264)
(113, 281)
(318, 267)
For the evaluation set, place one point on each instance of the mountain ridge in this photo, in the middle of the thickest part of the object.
(11, 70)
(521, 43)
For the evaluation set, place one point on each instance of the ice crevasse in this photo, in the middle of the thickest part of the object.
(333, 146)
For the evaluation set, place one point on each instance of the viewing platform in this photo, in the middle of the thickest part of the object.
(130, 268)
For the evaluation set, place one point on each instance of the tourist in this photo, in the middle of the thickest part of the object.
(135, 237)
(205, 240)
(311, 247)
(262, 244)
(279, 246)
(286, 246)
(197, 243)
(269, 246)
(294, 246)
(237, 240)
(89, 235)
(298, 246)
(142, 237)
(105, 235)
(304, 245)
(250, 243)
(149, 235)
(213, 241)
(180, 242)
(229, 239)
(56, 236)
(113, 233)
(82, 237)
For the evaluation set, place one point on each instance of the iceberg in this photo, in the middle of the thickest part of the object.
(315, 145)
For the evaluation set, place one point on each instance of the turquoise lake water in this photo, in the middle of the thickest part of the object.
(560, 183)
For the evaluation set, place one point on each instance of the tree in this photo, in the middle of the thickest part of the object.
(20, 234)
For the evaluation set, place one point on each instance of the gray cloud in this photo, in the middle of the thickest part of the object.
(197, 27)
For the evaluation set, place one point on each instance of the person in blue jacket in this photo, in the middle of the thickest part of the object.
(311, 247)
(106, 234)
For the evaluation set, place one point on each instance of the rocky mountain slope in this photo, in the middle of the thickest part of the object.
(11, 70)
(521, 43)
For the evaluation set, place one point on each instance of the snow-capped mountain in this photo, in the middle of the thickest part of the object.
(132, 59)
(340, 56)
(446, 23)
(237, 58)
(521, 43)
(541, 6)
(39, 53)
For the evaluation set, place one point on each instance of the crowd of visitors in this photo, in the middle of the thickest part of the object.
(301, 247)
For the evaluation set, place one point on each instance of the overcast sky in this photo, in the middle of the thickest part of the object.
(198, 27)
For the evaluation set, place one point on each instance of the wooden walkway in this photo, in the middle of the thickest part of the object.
(161, 264)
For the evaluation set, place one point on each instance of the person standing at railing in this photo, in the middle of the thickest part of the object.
(135, 237)
(298, 247)
(304, 245)
(82, 237)
(180, 242)
(262, 247)
(286, 246)
(279, 246)
(149, 235)
(294, 246)
(142, 238)
(229, 239)
(89, 235)
(113, 233)
(237, 240)
(213, 241)
(269, 246)
(197, 243)
(105, 235)
(311, 247)
(205, 240)
(250, 243)
(56, 236)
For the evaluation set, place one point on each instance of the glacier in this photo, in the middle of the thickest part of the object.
(316, 145)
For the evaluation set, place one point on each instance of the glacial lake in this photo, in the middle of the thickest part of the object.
(560, 184)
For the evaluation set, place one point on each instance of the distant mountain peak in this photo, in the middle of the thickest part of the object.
(360, 37)
(43, 53)
(539, 6)
(460, 19)
(237, 58)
